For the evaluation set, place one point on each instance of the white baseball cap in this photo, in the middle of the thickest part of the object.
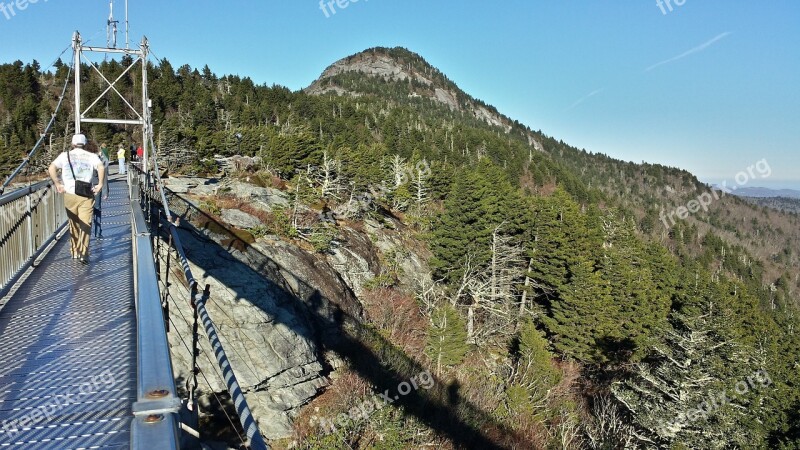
(78, 139)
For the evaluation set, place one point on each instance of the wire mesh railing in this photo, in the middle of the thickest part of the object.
(30, 218)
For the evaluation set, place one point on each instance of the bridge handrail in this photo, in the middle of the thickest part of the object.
(30, 219)
(155, 423)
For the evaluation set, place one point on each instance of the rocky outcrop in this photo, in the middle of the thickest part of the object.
(378, 63)
(274, 306)
(355, 259)
(240, 219)
(264, 198)
(278, 307)
(446, 97)
(193, 185)
(408, 254)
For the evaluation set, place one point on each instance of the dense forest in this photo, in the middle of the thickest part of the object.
(559, 302)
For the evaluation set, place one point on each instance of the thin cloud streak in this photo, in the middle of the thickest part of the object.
(697, 49)
(586, 97)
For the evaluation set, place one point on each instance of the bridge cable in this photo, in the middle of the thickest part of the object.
(212, 364)
(256, 377)
(210, 388)
(257, 347)
(243, 409)
(193, 351)
(44, 134)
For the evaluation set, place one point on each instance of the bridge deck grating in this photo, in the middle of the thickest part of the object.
(68, 353)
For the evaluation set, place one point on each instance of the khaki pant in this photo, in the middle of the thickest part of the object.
(79, 212)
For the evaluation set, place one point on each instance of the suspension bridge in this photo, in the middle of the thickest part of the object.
(84, 360)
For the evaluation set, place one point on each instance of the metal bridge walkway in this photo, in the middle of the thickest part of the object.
(68, 361)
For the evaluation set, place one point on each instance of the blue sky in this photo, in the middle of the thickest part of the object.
(721, 92)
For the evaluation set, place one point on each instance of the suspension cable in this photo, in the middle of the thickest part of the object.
(210, 387)
(30, 155)
(242, 408)
(227, 315)
(211, 363)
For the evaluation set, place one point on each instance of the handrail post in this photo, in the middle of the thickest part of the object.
(29, 203)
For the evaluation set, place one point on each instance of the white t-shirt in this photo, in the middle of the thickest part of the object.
(83, 163)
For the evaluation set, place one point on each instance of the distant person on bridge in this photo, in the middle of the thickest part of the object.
(121, 158)
(104, 151)
(139, 153)
(77, 168)
(102, 195)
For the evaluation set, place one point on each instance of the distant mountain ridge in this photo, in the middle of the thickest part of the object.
(766, 192)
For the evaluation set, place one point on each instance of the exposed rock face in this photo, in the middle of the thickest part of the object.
(276, 306)
(240, 219)
(194, 185)
(376, 65)
(491, 118)
(264, 198)
(446, 97)
(409, 255)
(272, 319)
(355, 260)
(270, 345)
(379, 63)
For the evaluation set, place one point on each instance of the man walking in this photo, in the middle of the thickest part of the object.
(77, 167)
(121, 158)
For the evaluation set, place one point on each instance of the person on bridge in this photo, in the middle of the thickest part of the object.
(121, 158)
(104, 151)
(77, 167)
(97, 223)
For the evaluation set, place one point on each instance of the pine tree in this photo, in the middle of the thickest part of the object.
(479, 201)
(447, 338)
(684, 391)
(581, 320)
(642, 308)
(560, 236)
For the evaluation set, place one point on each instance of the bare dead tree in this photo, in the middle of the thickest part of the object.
(607, 427)
(328, 176)
(419, 182)
(398, 171)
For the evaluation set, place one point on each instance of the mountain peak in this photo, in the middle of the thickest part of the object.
(390, 64)
(404, 73)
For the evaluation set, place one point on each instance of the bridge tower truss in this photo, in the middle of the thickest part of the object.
(142, 115)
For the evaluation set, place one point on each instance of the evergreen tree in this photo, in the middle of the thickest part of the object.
(480, 200)
(642, 308)
(447, 338)
(689, 389)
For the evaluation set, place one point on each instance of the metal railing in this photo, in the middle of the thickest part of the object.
(155, 423)
(30, 218)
